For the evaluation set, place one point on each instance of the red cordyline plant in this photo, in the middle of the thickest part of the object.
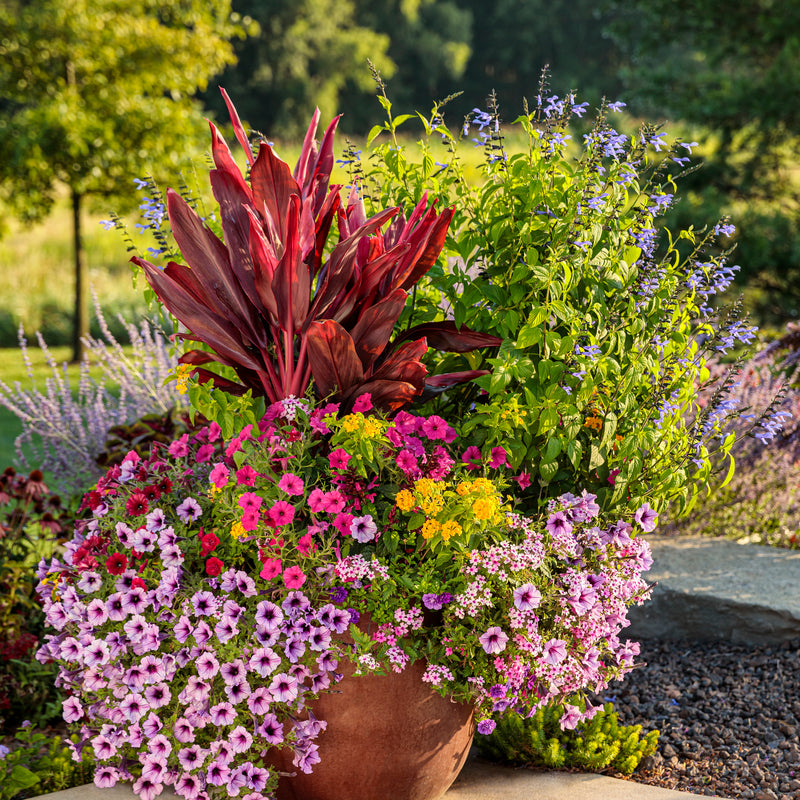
(274, 305)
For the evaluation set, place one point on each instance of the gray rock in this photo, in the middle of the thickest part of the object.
(718, 590)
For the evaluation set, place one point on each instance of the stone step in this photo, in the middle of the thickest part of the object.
(719, 590)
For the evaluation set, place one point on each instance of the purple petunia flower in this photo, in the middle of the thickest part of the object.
(283, 688)
(189, 510)
(494, 640)
(527, 597)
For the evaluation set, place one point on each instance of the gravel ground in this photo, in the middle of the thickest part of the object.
(729, 717)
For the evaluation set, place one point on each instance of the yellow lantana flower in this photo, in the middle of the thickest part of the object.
(237, 530)
(484, 507)
(424, 486)
(430, 528)
(450, 528)
(404, 500)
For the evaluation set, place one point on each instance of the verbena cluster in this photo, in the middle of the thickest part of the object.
(65, 427)
(205, 603)
(607, 321)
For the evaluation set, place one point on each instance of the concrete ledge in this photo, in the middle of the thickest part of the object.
(479, 780)
(718, 590)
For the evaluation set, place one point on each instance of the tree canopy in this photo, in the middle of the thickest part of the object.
(94, 92)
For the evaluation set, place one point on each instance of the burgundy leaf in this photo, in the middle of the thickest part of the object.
(333, 359)
(273, 185)
(291, 283)
(448, 379)
(404, 364)
(204, 324)
(337, 272)
(308, 154)
(238, 128)
(428, 241)
(386, 395)
(374, 328)
(225, 162)
(210, 265)
(446, 336)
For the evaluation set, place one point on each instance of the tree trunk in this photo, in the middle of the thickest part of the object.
(80, 326)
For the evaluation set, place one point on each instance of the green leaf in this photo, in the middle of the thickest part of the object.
(552, 451)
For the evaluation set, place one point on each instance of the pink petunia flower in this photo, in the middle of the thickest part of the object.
(294, 577)
(246, 476)
(204, 453)
(471, 457)
(363, 403)
(523, 479)
(271, 568)
(219, 475)
(291, 484)
(316, 500)
(305, 545)
(498, 458)
(494, 640)
(249, 501)
(339, 459)
(282, 513)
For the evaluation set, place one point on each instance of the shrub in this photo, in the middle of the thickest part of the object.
(539, 741)
(31, 524)
(38, 763)
(607, 323)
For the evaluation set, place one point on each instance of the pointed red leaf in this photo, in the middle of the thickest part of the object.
(224, 160)
(323, 168)
(375, 326)
(226, 339)
(445, 336)
(404, 364)
(333, 359)
(308, 153)
(210, 264)
(339, 270)
(428, 242)
(273, 185)
(264, 264)
(291, 283)
(238, 128)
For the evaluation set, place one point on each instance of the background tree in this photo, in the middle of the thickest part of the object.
(733, 69)
(307, 53)
(94, 93)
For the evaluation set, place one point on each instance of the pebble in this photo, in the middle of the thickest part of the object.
(727, 714)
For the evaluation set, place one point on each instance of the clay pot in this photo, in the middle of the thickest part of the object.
(389, 737)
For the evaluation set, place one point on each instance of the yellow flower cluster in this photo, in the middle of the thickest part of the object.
(593, 422)
(404, 500)
(237, 530)
(182, 373)
(370, 427)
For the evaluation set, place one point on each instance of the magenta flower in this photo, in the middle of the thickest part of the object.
(339, 458)
(282, 513)
(246, 476)
(363, 403)
(219, 475)
(250, 501)
(270, 569)
(523, 479)
(291, 484)
(180, 447)
(486, 726)
(204, 453)
(294, 577)
(71, 709)
(407, 461)
(498, 458)
(333, 502)
(494, 640)
(434, 427)
(147, 789)
(471, 457)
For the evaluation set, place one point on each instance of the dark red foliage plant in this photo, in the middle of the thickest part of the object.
(278, 305)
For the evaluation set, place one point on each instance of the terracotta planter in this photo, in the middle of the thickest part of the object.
(389, 737)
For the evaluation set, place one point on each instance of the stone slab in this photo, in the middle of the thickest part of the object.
(479, 780)
(718, 590)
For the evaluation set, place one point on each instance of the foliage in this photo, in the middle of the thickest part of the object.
(539, 741)
(732, 71)
(32, 521)
(37, 764)
(84, 102)
(606, 325)
(199, 610)
(306, 55)
(280, 306)
(66, 433)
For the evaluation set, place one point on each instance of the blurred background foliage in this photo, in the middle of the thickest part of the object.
(724, 75)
